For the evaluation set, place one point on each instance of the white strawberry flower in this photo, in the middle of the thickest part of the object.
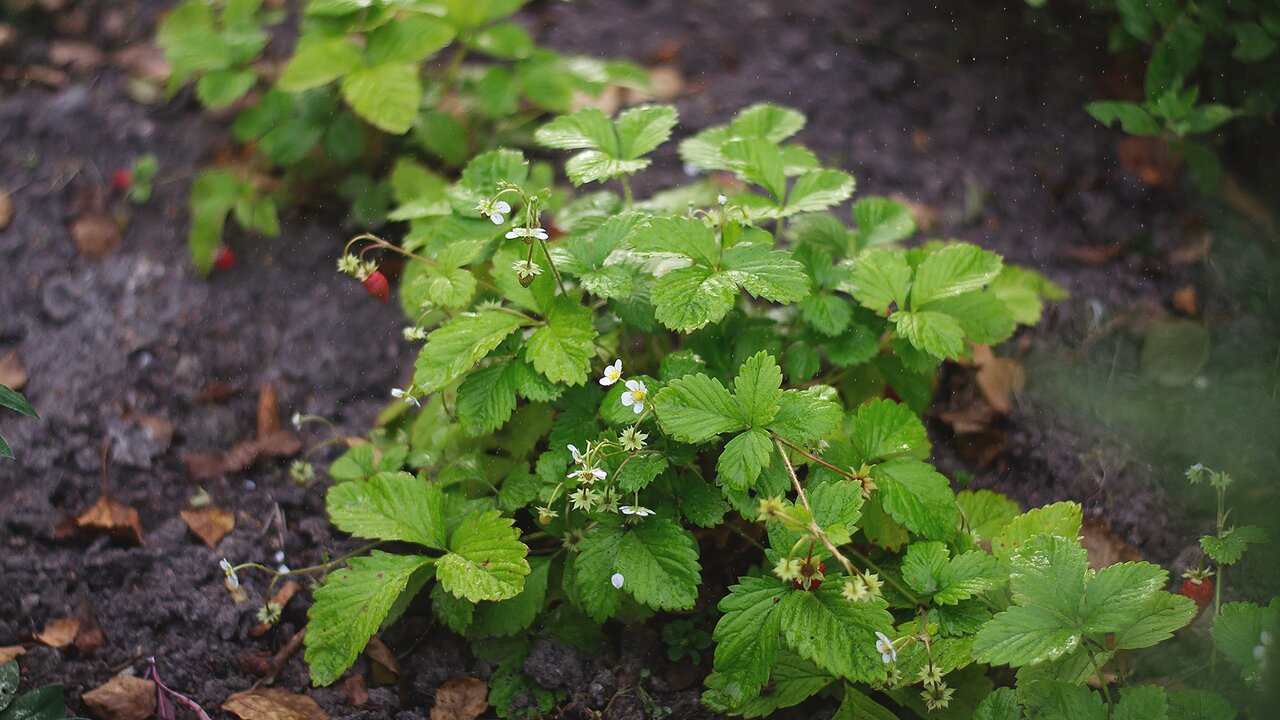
(588, 475)
(884, 646)
(520, 232)
(612, 373)
(635, 395)
(617, 580)
(577, 454)
(406, 396)
(233, 580)
(636, 510)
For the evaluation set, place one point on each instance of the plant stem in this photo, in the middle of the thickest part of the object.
(626, 191)
(818, 460)
(1102, 681)
(547, 253)
(813, 526)
(887, 578)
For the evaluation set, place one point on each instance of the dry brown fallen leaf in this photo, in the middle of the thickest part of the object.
(96, 234)
(210, 524)
(356, 691)
(123, 697)
(1103, 546)
(1184, 299)
(281, 598)
(998, 379)
(385, 667)
(268, 411)
(1094, 255)
(13, 374)
(242, 456)
(91, 635)
(11, 652)
(80, 55)
(1149, 158)
(926, 216)
(462, 698)
(108, 516)
(59, 633)
(6, 209)
(145, 60)
(273, 704)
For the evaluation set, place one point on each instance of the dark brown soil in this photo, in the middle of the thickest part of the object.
(971, 110)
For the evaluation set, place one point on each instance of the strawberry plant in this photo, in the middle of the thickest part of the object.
(363, 89)
(605, 380)
(13, 400)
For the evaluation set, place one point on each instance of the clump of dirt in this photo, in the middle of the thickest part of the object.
(964, 111)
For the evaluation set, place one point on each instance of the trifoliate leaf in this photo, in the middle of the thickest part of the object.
(350, 607)
(982, 316)
(748, 636)
(593, 568)
(881, 277)
(922, 565)
(1061, 519)
(562, 349)
(1228, 548)
(487, 398)
(881, 221)
(486, 560)
(390, 506)
(837, 635)
(387, 95)
(410, 38)
(884, 429)
(936, 333)
(966, 575)
(453, 348)
(951, 271)
(1023, 292)
(758, 161)
(743, 458)
(609, 149)
(758, 388)
(1237, 632)
(696, 408)
(916, 495)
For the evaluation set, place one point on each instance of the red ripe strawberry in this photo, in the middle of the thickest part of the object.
(1198, 589)
(122, 179)
(377, 286)
(225, 260)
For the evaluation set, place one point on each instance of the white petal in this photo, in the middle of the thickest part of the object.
(497, 218)
(617, 580)
(607, 380)
(512, 235)
(628, 399)
(599, 474)
(540, 233)
(502, 206)
(886, 658)
(639, 408)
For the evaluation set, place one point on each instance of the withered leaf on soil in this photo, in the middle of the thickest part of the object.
(385, 667)
(1149, 158)
(281, 598)
(210, 524)
(81, 55)
(6, 209)
(273, 704)
(96, 234)
(10, 652)
(268, 411)
(1103, 546)
(90, 636)
(108, 516)
(242, 456)
(1184, 299)
(13, 374)
(998, 379)
(356, 691)
(145, 60)
(123, 697)
(59, 633)
(462, 698)
(1094, 254)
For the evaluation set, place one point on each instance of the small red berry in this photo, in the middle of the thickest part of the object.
(122, 179)
(377, 286)
(225, 260)
(1199, 590)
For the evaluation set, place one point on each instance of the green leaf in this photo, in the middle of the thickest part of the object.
(609, 149)
(220, 88)
(562, 349)
(985, 512)
(407, 39)
(806, 416)
(1156, 619)
(682, 236)
(453, 348)
(1199, 705)
(390, 506)
(689, 298)
(592, 570)
(638, 472)
(13, 400)
(388, 96)
(1061, 700)
(486, 560)
(835, 634)
(744, 458)
(758, 389)
(318, 61)
(511, 616)
(1132, 118)
(1228, 548)
(758, 161)
(881, 221)
(9, 679)
(658, 561)
(1116, 593)
(504, 40)
(1141, 702)
(827, 313)
(1237, 632)
(818, 190)
(922, 565)
(983, 317)
(487, 398)
(881, 277)
(696, 408)
(952, 271)
(1001, 704)
(764, 273)
(884, 429)
(349, 608)
(1253, 42)
(642, 129)
(919, 497)
(792, 681)
(1061, 519)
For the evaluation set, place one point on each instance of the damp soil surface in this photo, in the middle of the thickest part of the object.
(973, 112)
